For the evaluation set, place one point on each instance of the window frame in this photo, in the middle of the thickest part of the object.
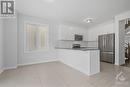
(47, 38)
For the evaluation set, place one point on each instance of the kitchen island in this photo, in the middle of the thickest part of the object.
(85, 60)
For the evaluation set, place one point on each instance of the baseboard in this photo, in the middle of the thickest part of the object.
(1, 70)
(44, 61)
(6, 68)
(14, 67)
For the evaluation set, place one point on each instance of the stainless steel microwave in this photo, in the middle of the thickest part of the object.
(78, 37)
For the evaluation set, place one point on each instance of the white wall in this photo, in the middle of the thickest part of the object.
(1, 45)
(104, 28)
(36, 57)
(10, 43)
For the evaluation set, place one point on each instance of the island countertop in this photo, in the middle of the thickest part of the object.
(81, 49)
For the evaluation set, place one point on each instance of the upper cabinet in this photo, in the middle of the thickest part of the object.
(68, 32)
(65, 33)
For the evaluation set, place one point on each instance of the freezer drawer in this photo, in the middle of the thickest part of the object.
(107, 57)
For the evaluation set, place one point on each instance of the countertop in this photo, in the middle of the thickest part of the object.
(81, 49)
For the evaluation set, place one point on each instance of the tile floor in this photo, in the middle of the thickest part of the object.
(56, 74)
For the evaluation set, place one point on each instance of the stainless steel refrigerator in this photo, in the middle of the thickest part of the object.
(106, 44)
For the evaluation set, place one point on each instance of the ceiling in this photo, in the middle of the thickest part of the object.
(73, 11)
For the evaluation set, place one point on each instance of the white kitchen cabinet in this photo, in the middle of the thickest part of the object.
(87, 62)
(67, 32)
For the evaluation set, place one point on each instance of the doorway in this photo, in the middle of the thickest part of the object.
(125, 26)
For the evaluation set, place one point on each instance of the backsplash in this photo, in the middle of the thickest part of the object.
(69, 44)
(92, 44)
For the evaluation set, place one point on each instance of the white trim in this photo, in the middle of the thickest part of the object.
(36, 51)
(118, 18)
(1, 70)
(44, 61)
(14, 67)
(47, 39)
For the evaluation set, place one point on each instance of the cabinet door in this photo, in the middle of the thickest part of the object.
(65, 33)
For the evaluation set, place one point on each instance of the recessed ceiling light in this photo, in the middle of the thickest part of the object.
(88, 20)
(50, 1)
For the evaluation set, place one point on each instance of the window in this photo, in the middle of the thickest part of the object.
(36, 37)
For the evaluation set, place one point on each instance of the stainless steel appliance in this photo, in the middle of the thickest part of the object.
(106, 44)
(78, 37)
(76, 45)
